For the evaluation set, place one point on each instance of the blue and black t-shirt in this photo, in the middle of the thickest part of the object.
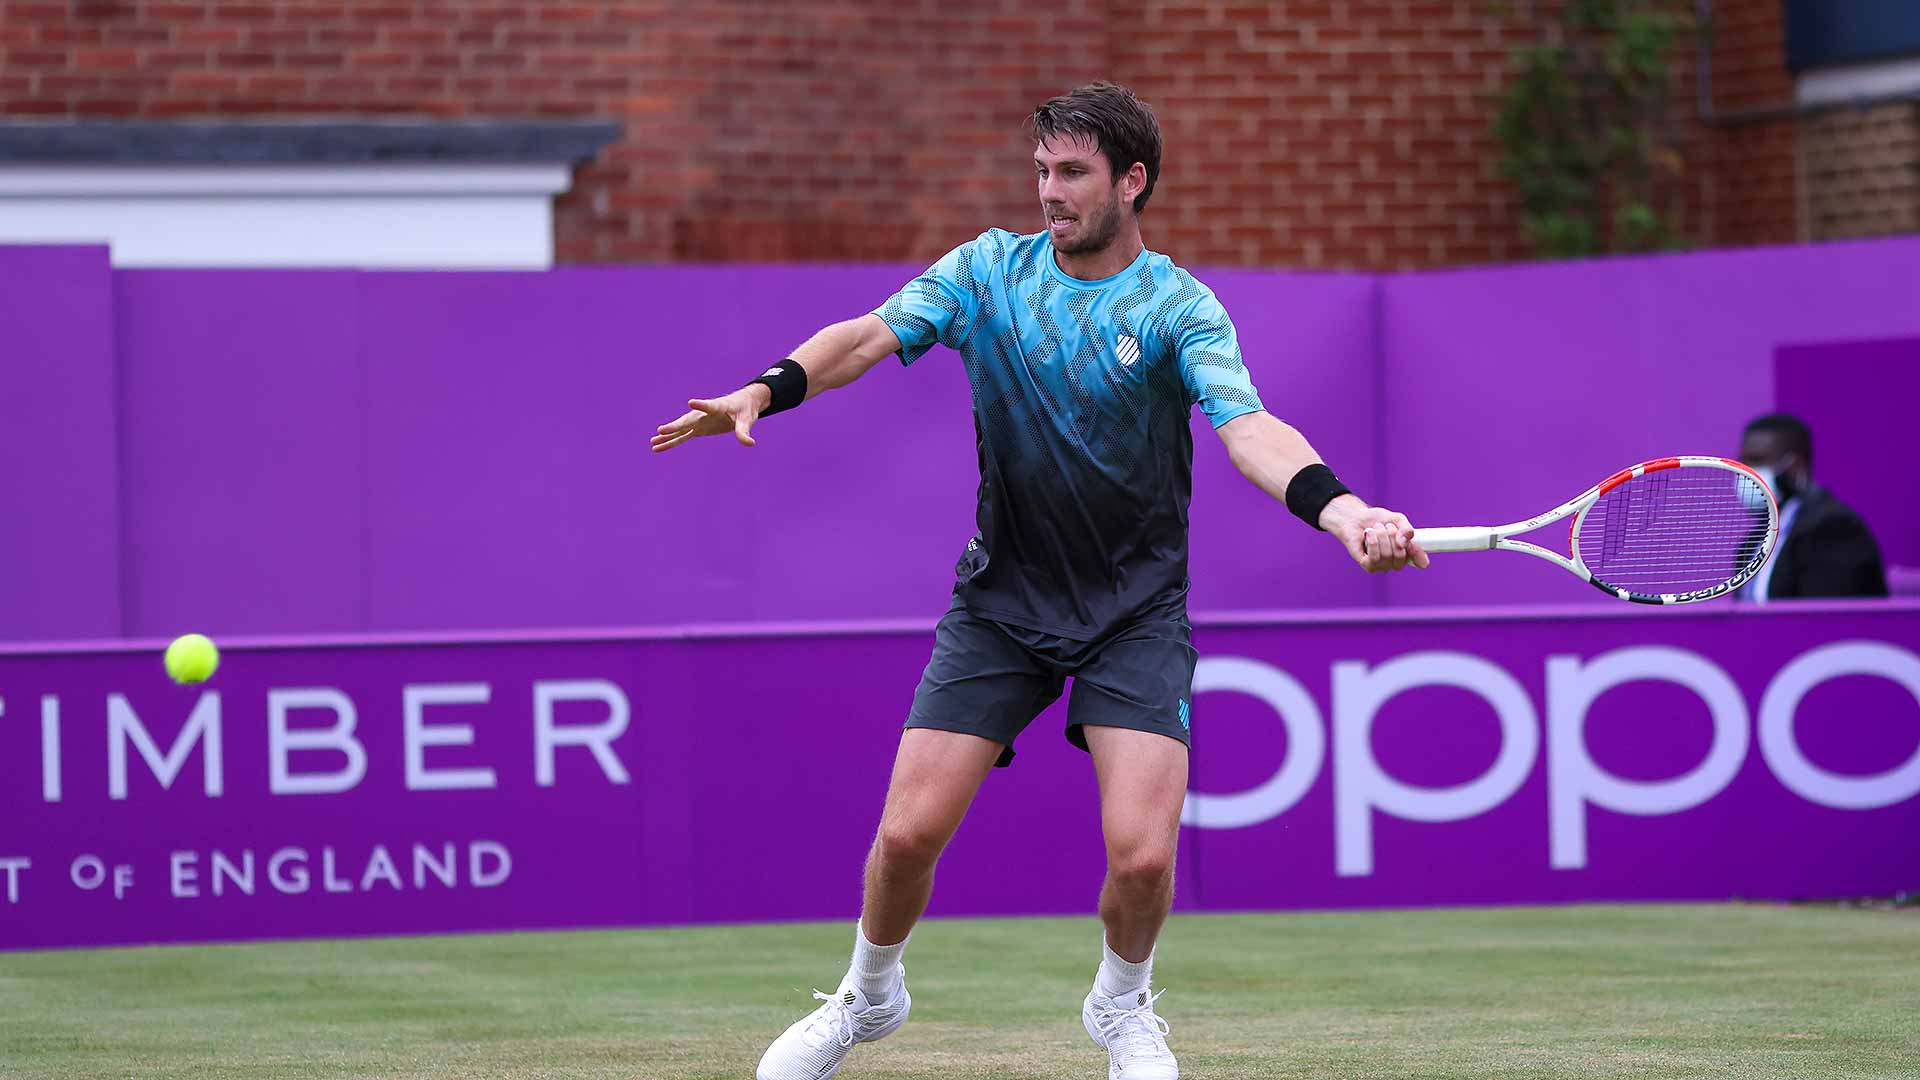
(1081, 392)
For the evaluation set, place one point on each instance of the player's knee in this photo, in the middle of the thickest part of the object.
(907, 846)
(1141, 866)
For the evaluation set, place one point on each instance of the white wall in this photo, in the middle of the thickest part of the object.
(469, 216)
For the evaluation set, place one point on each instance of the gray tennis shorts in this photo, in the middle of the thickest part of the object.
(991, 679)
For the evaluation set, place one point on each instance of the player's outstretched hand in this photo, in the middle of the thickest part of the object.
(1381, 540)
(714, 416)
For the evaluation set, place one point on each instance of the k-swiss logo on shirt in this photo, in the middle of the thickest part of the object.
(1126, 351)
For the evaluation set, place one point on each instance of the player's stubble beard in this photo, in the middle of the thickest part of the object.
(1098, 231)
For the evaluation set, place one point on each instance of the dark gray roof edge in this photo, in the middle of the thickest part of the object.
(128, 142)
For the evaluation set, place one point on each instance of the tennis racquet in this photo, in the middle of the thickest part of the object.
(1669, 531)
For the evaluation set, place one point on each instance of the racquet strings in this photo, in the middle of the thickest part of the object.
(1675, 531)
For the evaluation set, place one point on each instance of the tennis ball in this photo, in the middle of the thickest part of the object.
(192, 658)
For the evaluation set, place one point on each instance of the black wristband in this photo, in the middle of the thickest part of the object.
(1310, 490)
(788, 381)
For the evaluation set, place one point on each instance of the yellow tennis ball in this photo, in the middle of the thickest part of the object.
(192, 658)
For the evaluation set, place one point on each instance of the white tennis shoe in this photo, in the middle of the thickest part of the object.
(1132, 1034)
(814, 1047)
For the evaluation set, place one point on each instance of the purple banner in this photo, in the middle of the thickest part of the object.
(391, 786)
(1507, 390)
(59, 446)
(297, 452)
(1853, 396)
(244, 422)
(442, 451)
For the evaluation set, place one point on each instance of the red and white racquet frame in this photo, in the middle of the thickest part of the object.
(1500, 537)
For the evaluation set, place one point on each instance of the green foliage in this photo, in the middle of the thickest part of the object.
(1586, 131)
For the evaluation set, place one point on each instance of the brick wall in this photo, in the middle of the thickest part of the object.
(1749, 169)
(1324, 133)
(1862, 171)
(1321, 133)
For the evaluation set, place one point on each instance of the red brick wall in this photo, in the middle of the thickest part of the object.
(1862, 172)
(1749, 168)
(1325, 133)
(820, 132)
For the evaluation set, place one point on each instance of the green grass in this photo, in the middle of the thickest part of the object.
(1580, 992)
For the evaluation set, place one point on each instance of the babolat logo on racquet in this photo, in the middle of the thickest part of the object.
(1674, 530)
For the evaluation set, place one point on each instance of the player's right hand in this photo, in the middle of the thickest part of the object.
(713, 416)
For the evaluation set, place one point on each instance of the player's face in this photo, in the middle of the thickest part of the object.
(1079, 194)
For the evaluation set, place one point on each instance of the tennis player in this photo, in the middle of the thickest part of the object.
(1085, 352)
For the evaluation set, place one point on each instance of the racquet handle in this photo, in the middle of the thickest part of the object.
(1467, 539)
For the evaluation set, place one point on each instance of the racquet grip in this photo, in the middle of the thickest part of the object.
(1467, 539)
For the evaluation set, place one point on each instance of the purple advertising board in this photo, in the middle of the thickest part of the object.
(1507, 390)
(59, 445)
(1855, 396)
(243, 423)
(393, 785)
(333, 452)
(277, 452)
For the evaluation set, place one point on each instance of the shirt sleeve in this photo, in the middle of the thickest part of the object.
(935, 308)
(1210, 365)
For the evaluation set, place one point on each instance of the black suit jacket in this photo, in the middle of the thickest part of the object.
(1827, 552)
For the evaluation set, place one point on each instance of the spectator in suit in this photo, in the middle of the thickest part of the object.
(1824, 548)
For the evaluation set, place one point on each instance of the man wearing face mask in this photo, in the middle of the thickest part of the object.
(1824, 548)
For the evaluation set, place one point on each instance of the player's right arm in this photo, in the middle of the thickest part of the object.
(936, 307)
(832, 358)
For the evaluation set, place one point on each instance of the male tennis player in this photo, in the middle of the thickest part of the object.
(1085, 352)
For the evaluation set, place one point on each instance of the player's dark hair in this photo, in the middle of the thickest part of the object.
(1119, 123)
(1790, 429)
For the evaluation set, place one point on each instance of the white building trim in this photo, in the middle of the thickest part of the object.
(467, 215)
(1852, 82)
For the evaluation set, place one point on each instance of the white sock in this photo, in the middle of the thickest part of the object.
(1120, 978)
(876, 968)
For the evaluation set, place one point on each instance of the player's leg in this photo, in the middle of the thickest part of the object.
(1130, 711)
(935, 776)
(979, 690)
(1143, 780)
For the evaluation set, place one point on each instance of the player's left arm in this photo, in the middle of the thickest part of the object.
(1271, 453)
